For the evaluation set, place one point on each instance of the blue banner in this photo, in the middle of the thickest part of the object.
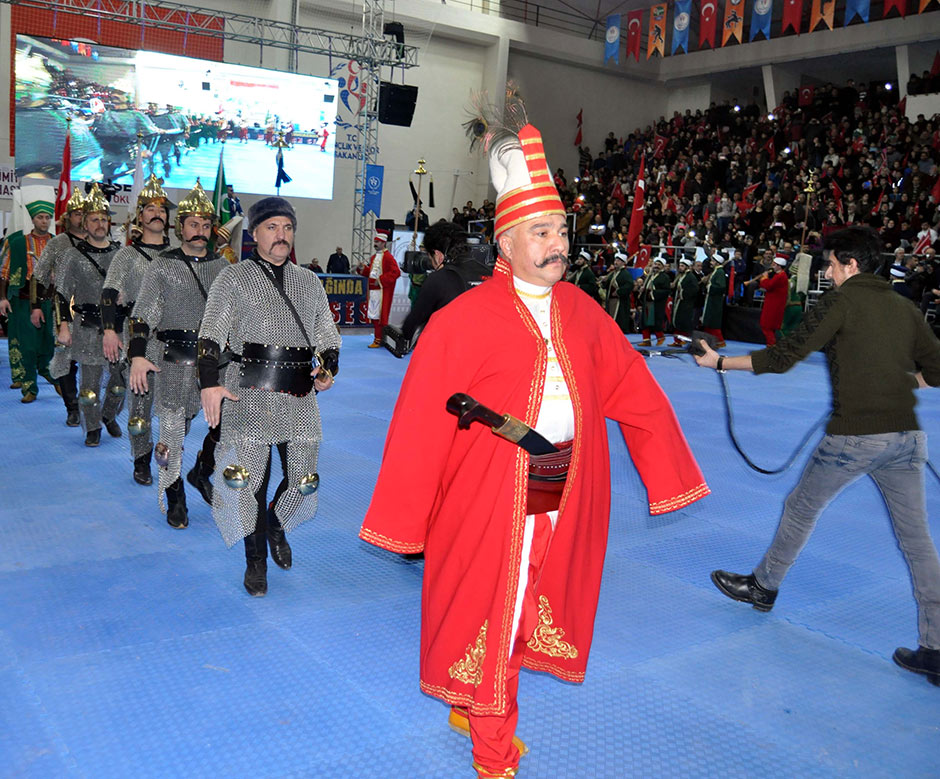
(856, 7)
(682, 15)
(612, 39)
(373, 195)
(760, 18)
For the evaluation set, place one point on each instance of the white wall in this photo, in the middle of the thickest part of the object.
(555, 93)
(698, 96)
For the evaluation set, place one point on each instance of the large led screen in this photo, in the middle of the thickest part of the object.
(182, 111)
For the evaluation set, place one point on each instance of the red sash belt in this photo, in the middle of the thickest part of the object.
(547, 476)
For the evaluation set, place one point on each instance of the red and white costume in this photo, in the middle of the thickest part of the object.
(383, 273)
(776, 290)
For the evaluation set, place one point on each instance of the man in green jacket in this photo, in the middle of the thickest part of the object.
(683, 301)
(879, 350)
(654, 293)
(618, 289)
(582, 276)
(716, 289)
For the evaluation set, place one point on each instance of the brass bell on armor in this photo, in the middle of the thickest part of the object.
(236, 476)
(308, 483)
(161, 454)
(136, 425)
(87, 397)
(117, 390)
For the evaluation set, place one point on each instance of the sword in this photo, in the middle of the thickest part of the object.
(467, 410)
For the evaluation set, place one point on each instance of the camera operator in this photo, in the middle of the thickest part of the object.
(455, 266)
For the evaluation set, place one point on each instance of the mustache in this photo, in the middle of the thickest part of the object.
(280, 243)
(199, 238)
(557, 257)
(159, 219)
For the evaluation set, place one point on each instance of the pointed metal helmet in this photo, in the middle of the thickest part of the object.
(96, 202)
(196, 203)
(153, 194)
(76, 202)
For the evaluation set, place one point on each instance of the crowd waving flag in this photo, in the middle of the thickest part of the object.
(708, 23)
(657, 38)
(733, 25)
(612, 39)
(634, 32)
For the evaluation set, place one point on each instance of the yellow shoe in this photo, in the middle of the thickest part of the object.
(661, 341)
(375, 344)
(485, 773)
(645, 342)
(459, 722)
(29, 397)
(720, 345)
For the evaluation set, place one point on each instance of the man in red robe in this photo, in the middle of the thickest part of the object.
(512, 574)
(776, 286)
(382, 272)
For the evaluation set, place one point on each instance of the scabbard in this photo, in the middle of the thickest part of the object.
(467, 410)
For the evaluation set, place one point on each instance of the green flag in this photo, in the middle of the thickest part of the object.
(219, 194)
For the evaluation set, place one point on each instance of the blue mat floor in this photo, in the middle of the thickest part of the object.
(130, 649)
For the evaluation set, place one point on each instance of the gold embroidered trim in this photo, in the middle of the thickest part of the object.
(548, 639)
(555, 670)
(402, 547)
(671, 504)
(469, 670)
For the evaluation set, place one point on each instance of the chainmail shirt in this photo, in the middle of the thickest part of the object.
(125, 275)
(77, 278)
(245, 307)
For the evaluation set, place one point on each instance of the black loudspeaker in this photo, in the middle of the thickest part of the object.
(397, 104)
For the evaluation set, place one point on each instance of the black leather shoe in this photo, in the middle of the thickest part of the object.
(73, 420)
(113, 428)
(93, 437)
(920, 661)
(256, 565)
(280, 549)
(142, 473)
(176, 514)
(198, 476)
(745, 589)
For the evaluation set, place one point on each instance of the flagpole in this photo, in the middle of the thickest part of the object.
(420, 172)
(807, 192)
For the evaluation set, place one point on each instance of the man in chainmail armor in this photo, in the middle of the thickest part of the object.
(170, 304)
(275, 318)
(62, 367)
(80, 280)
(150, 229)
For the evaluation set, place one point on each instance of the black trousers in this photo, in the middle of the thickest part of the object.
(261, 496)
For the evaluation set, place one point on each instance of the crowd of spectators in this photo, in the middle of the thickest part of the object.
(753, 184)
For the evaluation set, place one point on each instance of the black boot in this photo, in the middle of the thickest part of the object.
(113, 428)
(72, 419)
(280, 549)
(93, 437)
(69, 392)
(256, 559)
(199, 475)
(176, 514)
(142, 469)
(745, 589)
(921, 661)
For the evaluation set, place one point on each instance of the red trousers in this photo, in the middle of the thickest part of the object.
(493, 750)
(647, 331)
(770, 335)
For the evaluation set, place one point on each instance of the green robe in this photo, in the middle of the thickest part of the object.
(585, 280)
(655, 293)
(715, 292)
(619, 288)
(683, 303)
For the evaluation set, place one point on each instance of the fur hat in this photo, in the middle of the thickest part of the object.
(268, 208)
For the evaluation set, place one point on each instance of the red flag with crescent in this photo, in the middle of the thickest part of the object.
(634, 31)
(643, 256)
(659, 146)
(901, 5)
(639, 211)
(708, 23)
(64, 190)
(806, 95)
(792, 14)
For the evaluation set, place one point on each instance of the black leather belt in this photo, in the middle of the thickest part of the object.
(284, 369)
(180, 346)
(90, 314)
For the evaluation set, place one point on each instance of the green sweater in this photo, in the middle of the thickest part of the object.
(874, 340)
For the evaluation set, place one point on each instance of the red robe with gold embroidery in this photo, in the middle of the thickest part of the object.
(460, 494)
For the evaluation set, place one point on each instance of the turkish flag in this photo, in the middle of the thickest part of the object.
(935, 192)
(837, 193)
(901, 5)
(64, 190)
(792, 14)
(639, 211)
(748, 191)
(634, 30)
(806, 95)
(643, 256)
(659, 146)
(877, 207)
(708, 23)
(923, 244)
(771, 149)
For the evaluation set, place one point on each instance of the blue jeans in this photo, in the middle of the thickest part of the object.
(895, 461)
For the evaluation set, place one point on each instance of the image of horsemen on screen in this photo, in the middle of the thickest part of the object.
(178, 112)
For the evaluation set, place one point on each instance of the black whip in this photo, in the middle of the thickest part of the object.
(737, 446)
